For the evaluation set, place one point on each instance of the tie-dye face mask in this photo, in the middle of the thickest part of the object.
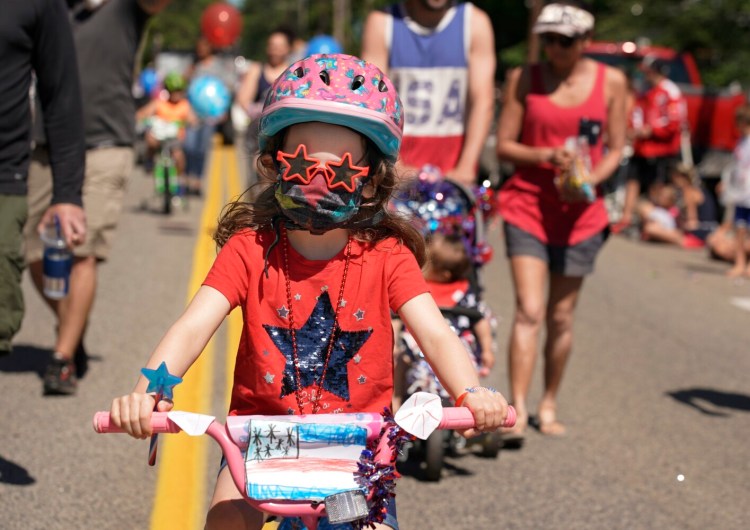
(319, 197)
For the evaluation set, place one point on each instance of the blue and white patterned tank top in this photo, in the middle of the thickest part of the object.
(429, 67)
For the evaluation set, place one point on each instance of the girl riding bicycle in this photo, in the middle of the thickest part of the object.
(316, 262)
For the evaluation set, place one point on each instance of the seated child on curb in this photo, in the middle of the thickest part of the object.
(662, 218)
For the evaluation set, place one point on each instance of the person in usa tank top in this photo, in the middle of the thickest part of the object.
(441, 57)
(552, 238)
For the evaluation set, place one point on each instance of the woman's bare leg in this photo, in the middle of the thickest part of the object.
(530, 283)
(563, 296)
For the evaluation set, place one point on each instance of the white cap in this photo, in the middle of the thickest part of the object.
(564, 19)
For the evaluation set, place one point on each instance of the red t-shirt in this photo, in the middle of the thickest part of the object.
(382, 276)
(665, 111)
(529, 199)
(448, 294)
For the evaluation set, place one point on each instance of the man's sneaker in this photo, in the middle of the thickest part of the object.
(60, 378)
(81, 360)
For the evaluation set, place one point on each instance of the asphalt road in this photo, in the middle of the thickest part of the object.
(656, 391)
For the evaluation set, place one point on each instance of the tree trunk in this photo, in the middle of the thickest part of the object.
(533, 50)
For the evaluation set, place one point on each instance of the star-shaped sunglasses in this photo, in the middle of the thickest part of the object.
(302, 168)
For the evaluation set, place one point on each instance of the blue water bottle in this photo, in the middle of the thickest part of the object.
(58, 260)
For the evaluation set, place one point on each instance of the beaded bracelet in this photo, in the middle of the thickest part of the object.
(471, 390)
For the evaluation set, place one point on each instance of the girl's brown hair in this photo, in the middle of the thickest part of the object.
(257, 207)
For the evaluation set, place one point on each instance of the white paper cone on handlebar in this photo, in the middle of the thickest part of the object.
(191, 423)
(420, 415)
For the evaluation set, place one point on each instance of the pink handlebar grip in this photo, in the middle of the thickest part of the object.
(461, 418)
(510, 419)
(159, 423)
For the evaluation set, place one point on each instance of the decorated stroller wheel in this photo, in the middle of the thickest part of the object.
(491, 444)
(434, 452)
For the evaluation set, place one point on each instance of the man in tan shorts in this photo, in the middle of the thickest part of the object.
(106, 34)
(106, 176)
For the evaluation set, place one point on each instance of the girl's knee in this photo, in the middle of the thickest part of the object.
(233, 514)
(228, 508)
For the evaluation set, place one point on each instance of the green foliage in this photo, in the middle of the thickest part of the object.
(717, 32)
(178, 26)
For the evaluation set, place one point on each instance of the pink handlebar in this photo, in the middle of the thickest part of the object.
(453, 418)
(159, 423)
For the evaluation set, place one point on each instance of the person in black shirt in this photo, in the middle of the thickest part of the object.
(35, 35)
(106, 35)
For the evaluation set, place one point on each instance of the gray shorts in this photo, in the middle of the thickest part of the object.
(570, 260)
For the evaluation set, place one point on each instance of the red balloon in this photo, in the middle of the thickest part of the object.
(221, 24)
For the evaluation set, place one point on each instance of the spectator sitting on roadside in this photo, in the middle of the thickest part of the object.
(659, 217)
(698, 209)
(722, 244)
(658, 213)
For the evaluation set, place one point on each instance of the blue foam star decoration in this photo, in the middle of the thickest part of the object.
(312, 345)
(161, 381)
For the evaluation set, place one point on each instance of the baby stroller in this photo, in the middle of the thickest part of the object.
(438, 205)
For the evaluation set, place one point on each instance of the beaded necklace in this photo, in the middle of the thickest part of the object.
(318, 392)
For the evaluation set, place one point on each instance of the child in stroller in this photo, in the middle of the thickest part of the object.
(448, 274)
(452, 219)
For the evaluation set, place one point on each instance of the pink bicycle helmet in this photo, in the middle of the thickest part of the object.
(337, 89)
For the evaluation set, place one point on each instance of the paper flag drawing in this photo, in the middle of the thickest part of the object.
(301, 461)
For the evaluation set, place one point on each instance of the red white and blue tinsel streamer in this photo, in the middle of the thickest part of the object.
(379, 479)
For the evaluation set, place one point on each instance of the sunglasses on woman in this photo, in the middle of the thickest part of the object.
(302, 168)
(562, 40)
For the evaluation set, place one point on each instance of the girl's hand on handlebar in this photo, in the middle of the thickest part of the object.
(488, 408)
(132, 413)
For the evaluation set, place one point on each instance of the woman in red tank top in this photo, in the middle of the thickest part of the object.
(553, 239)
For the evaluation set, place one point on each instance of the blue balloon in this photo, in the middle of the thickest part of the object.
(209, 97)
(323, 44)
(239, 4)
(148, 80)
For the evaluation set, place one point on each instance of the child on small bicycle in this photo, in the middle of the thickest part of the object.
(168, 119)
(316, 262)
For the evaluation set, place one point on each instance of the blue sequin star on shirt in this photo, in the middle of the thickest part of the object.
(312, 345)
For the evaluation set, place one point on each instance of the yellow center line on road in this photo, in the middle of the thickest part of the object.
(234, 322)
(179, 502)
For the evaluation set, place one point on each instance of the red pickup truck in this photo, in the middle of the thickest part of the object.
(710, 110)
